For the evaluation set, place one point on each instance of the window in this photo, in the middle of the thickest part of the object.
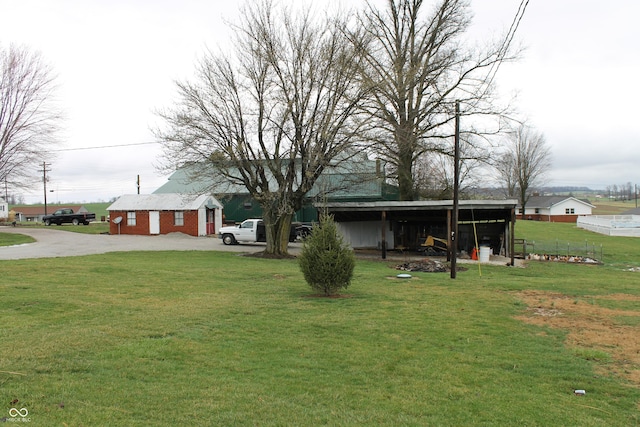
(569, 211)
(178, 218)
(247, 205)
(131, 218)
(537, 210)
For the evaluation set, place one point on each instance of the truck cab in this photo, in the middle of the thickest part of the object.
(250, 230)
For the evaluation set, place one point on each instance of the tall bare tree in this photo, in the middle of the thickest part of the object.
(29, 118)
(433, 172)
(418, 66)
(274, 114)
(524, 164)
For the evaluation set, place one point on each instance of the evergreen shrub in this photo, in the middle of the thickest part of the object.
(327, 262)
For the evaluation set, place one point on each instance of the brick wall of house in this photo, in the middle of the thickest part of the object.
(167, 223)
(549, 218)
(141, 227)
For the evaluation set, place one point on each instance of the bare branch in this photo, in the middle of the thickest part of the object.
(29, 119)
(274, 115)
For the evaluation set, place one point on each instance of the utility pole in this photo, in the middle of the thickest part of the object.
(44, 171)
(138, 183)
(456, 177)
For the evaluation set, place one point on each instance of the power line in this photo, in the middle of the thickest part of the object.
(507, 41)
(104, 146)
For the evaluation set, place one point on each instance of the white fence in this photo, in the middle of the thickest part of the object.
(611, 225)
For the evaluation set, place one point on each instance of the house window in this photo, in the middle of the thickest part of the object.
(537, 210)
(521, 211)
(178, 218)
(131, 218)
(569, 211)
(247, 205)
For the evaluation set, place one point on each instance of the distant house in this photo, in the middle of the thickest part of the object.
(151, 214)
(554, 209)
(35, 213)
(4, 210)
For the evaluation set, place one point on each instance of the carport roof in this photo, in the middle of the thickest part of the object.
(468, 209)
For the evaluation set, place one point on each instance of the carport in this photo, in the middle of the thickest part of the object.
(406, 225)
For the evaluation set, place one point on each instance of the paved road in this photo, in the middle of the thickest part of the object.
(56, 243)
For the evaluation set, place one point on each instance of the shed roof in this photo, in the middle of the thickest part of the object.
(355, 178)
(164, 202)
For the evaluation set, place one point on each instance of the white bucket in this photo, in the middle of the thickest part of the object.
(485, 252)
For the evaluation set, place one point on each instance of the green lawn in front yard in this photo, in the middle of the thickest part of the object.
(212, 338)
(96, 227)
(11, 239)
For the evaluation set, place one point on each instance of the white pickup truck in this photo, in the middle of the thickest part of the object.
(250, 230)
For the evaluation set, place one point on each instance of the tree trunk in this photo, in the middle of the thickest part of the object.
(277, 228)
(406, 185)
(405, 180)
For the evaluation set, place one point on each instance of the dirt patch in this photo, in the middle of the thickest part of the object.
(591, 327)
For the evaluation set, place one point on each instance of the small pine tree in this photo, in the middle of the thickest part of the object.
(327, 262)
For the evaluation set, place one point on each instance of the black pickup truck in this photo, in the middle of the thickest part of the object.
(66, 216)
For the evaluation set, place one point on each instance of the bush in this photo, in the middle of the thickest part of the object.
(327, 262)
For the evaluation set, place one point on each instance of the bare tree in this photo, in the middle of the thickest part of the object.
(274, 115)
(29, 119)
(433, 171)
(524, 163)
(418, 68)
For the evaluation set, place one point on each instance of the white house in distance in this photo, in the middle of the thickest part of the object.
(4, 210)
(555, 209)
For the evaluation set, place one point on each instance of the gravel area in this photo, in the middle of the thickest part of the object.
(57, 243)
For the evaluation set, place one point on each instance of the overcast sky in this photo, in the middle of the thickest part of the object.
(117, 61)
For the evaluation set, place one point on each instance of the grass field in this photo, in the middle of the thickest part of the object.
(211, 338)
(10, 239)
(608, 207)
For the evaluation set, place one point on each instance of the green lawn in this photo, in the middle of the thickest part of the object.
(10, 239)
(210, 338)
(92, 228)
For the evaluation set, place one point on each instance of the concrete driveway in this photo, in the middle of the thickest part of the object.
(57, 243)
